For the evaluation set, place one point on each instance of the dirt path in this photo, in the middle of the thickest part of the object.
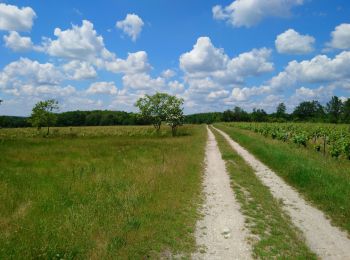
(221, 233)
(327, 241)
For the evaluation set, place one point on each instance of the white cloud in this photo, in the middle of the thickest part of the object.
(204, 57)
(251, 12)
(176, 86)
(13, 18)
(321, 94)
(27, 71)
(205, 60)
(143, 81)
(243, 94)
(319, 70)
(168, 73)
(136, 62)
(79, 43)
(340, 37)
(79, 70)
(215, 95)
(26, 77)
(17, 43)
(131, 25)
(102, 88)
(291, 42)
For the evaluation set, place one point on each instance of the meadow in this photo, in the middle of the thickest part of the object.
(99, 192)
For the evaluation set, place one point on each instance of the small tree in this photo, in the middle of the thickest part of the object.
(346, 111)
(174, 113)
(334, 109)
(42, 114)
(153, 108)
(281, 110)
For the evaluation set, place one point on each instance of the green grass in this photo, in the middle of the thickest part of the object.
(109, 192)
(322, 180)
(274, 234)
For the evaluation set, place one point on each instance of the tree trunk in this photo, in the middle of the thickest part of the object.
(48, 130)
(173, 130)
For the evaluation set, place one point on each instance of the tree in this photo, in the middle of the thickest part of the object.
(346, 111)
(153, 108)
(42, 114)
(334, 108)
(309, 110)
(259, 115)
(281, 111)
(174, 113)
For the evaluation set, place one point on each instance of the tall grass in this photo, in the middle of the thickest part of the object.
(100, 195)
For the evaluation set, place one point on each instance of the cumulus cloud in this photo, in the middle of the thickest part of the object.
(79, 70)
(340, 37)
(79, 43)
(176, 87)
(205, 60)
(136, 62)
(292, 42)
(143, 81)
(17, 43)
(211, 74)
(13, 18)
(26, 77)
(131, 26)
(102, 88)
(319, 70)
(250, 12)
(168, 73)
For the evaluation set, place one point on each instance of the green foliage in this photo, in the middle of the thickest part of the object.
(334, 109)
(309, 110)
(174, 113)
(161, 107)
(153, 108)
(327, 138)
(43, 116)
(281, 111)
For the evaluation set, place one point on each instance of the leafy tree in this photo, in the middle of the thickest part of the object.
(346, 111)
(174, 113)
(42, 114)
(259, 115)
(334, 109)
(281, 111)
(153, 108)
(309, 110)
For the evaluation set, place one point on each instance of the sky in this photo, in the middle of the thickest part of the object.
(214, 54)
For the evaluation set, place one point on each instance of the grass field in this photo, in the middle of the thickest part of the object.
(99, 192)
(322, 180)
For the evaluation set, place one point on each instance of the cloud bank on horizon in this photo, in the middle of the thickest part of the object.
(247, 53)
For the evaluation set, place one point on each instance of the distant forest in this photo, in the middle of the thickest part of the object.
(335, 111)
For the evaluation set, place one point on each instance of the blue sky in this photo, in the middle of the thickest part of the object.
(214, 54)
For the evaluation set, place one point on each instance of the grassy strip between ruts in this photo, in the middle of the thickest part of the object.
(100, 197)
(323, 181)
(273, 234)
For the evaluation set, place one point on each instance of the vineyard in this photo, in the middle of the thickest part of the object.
(333, 140)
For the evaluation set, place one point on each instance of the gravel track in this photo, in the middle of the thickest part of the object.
(327, 241)
(220, 234)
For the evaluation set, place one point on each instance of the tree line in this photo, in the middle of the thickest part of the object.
(156, 109)
(335, 111)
